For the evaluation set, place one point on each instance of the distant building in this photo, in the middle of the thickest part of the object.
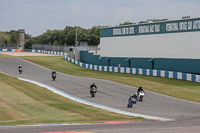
(21, 38)
(164, 39)
(171, 45)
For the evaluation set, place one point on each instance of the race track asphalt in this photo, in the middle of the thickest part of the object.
(114, 95)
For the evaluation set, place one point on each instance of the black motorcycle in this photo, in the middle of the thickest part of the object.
(132, 100)
(53, 74)
(93, 91)
(20, 69)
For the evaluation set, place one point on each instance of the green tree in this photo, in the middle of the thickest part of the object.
(126, 23)
(4, 38)
(28, 44)
(94, 38)
(67, 36)
(55, 42)
(13, 36)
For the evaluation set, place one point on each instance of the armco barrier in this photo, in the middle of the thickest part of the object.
(139, 71)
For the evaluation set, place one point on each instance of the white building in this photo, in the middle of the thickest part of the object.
(166, 39)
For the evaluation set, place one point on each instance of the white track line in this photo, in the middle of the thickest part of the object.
(115, 83)
(71, 97)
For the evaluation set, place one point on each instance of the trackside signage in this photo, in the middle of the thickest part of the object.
(187, 25)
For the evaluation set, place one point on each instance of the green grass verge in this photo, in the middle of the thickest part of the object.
(25, 103)
(171, 87)
(6, 56)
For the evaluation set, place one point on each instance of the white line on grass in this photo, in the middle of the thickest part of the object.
(71, 97)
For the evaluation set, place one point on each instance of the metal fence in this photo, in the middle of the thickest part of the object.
(8, 46)
(59, 48)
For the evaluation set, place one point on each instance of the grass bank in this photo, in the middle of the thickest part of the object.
(25, 103)
(171, 87)
(6, 56)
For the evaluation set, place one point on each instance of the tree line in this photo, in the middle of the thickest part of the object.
(54, 37)
(59, 37)
(10, 38)
(67, 36)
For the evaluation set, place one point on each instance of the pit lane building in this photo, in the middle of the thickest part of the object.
(172, 45)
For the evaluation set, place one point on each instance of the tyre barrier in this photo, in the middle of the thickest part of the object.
(47, 52)
(10, 50)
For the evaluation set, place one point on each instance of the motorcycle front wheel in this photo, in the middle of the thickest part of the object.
(130, 105)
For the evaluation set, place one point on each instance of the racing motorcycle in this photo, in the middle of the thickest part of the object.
(141, 96)
(132, 100)
(53, 74)
(20, 69)
(93, 91)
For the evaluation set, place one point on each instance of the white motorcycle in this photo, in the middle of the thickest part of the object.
(141, 96)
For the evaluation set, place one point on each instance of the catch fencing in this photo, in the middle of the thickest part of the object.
(60, 48)
(46, 47)
(8, 46)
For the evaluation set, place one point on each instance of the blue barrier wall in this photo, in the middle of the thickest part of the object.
(7, 50)
(90, 58)
(141, 63)
(47, 52)
(179, 65)
(140, 71)
(169, 64)
(114, 61)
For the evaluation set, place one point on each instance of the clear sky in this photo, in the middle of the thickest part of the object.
(36, 16)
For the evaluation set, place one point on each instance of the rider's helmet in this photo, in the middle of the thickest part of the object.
(53, 73)
(20, 67)
(135, 94)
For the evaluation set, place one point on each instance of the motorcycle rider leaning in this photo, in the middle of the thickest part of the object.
(139, 89)
(93, 85)
(134, 96)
